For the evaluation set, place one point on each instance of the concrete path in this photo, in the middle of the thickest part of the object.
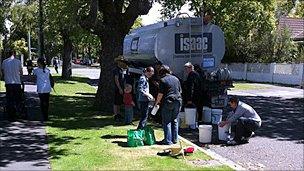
(23, 144)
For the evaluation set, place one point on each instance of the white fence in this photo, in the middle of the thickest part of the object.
(292, 74)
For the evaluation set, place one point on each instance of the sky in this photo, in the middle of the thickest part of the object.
(154, 14)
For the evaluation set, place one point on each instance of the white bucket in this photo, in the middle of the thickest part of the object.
(206, 114)
(205, 133)
(216, 115)
(190, 116)
(223, 132)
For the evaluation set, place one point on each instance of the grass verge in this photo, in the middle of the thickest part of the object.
(248, 86)
(81, 138)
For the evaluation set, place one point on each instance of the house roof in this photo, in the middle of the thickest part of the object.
(296, 26)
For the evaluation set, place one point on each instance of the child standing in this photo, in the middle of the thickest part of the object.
(129, 103)
(43, 86)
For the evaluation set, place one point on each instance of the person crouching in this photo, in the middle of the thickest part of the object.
(244, 119)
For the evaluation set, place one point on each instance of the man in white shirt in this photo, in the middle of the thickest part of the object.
(12, 69)
(245, 119)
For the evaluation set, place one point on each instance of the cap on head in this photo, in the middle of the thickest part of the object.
(188, 65)
(120, 58)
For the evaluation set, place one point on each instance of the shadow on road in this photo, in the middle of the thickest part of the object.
(23, 143)
(282, 119)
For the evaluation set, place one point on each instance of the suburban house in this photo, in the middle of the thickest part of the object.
(296, 27)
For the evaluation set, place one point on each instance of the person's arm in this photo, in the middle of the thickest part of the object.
(159, 98)
(237, 114)
(189, 88)
(141, 87)
(20, 69)
(118, 84)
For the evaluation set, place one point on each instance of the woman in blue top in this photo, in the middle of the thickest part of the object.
(144, 96)
(43, 86)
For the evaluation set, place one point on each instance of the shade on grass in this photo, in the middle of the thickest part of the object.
(81, 138)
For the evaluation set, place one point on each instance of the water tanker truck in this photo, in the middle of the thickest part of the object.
(174, 43)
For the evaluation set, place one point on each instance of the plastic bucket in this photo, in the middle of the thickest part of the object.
(206, 114)
(205, 133)
(223, 132)
(190, 116)
(216, 115)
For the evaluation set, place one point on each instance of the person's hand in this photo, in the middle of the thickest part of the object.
(120, 91)
(150, 97)
(189, 102)
(221, 124)
(133, 104)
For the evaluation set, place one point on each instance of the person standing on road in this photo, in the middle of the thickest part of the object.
(170, 98)
(144, 96)
(193, 89)
(244, 120)
(12, 70)
(29, 67)
(43, 77)
(56, 64)
(119, 80)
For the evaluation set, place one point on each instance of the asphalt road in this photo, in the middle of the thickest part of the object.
(278, 144)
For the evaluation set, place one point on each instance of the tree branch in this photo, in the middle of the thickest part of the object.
(135, 9)
(91, 22)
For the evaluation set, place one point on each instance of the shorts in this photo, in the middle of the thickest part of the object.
(118, 98)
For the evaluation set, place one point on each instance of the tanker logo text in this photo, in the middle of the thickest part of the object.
(182, 43)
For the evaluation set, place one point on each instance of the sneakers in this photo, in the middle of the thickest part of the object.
(231, 142)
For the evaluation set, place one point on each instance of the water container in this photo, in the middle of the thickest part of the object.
(223, 132)
(154, 110)
(205, 133)
(216, 115)
(190, 114)
(206, 114)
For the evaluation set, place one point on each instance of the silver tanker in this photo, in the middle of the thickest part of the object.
(169, 42)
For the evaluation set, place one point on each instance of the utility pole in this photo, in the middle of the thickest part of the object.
(29, 43)
(29, 38)
(41, 37)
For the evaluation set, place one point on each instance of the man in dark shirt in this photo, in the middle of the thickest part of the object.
(119, 80)
(171, 100)
(193, 89)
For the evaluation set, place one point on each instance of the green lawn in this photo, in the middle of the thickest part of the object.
(81, 138)
(248, 86)
(2, 86)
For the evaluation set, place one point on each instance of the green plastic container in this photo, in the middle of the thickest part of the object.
(135, 138)
(149, 137)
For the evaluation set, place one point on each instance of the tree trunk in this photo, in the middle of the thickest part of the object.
(112, 46)
(67, 56)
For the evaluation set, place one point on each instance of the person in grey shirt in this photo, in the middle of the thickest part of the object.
(12, 70)
(144, 96)
(245, 120)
